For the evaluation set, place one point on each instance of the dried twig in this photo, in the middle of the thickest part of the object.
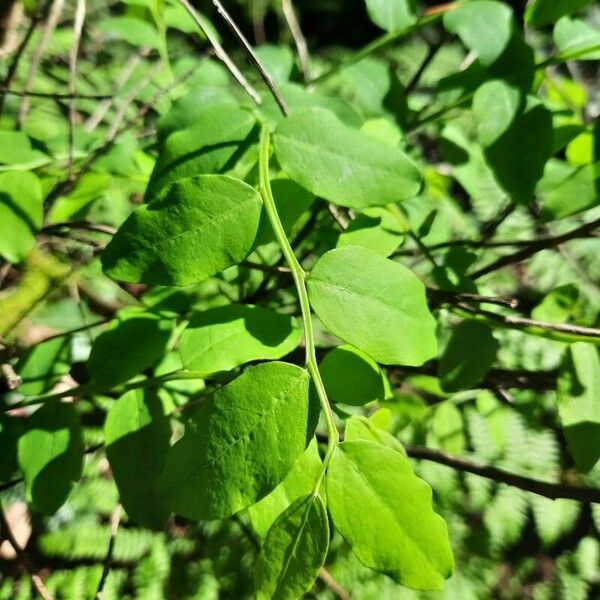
(537, 246)
(77, 29)
(12, 69)
(326, 577)
(36, 59)
(115, 519)
(22, 557)
(122, 78)
(291, 19)
(251, 56)
(222, 55)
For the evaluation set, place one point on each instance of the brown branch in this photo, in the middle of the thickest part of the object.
(444, 297)
(326, 577)
(535, 486)
(254, 60)
(537, 246)
(115, 519)
(52, 95)
(541, 381)
(522, 322)
(22, 557)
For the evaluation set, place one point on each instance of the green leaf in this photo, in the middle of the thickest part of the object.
(205, 147)
(43, 365)
(341, 164)
(558, 305)
(127, 348)
(544, 12)
(448, 428)
(222, 338)
(240, 444)
(392, 15)
(16, 150)
(484, 26)
(468, 357)
(201, 227)
(516, 136)
(384, 511)
(574, 37)
(11, 429)
(375, 228)
(21, 213)
(374, 304)
(137, 433)
(300, 481)
(134, 31)
(361, 428)
(351, 377)
(294, 551)
(50, 454)
(578, 397)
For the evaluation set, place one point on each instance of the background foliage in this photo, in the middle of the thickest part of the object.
(493, 105)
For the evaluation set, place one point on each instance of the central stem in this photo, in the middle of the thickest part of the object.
(300, 281)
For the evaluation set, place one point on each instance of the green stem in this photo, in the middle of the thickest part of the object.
(299, 277)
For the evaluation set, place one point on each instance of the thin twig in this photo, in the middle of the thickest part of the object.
(522, 322)
(36, 59)
(77, 29)
(85, 225)
(251, 56)
(432, 51)
(537, 246)
(67, 185)
(444, 297)
(12, 380)
(22, 557)
(53, 96)
(12, 69)
(122, 78)
(326, 577)
(291, 19)
(535, 486)
(129, 99)
(115, 519)
(222, 55)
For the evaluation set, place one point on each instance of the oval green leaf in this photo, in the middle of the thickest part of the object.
(294, 551)
(222, 338)
(240, 444)
(351, 377)
(341, 164)
(392, 15)
(384, 511)
(126, 348)
(50, 454)
(137, 433)
(578, 397)
(201, 227)
(374, 304)
(468, 356)
(21, 213)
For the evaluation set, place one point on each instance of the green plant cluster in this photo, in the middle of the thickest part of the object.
(293, 318)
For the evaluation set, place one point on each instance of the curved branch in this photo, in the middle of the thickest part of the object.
(535, 486)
